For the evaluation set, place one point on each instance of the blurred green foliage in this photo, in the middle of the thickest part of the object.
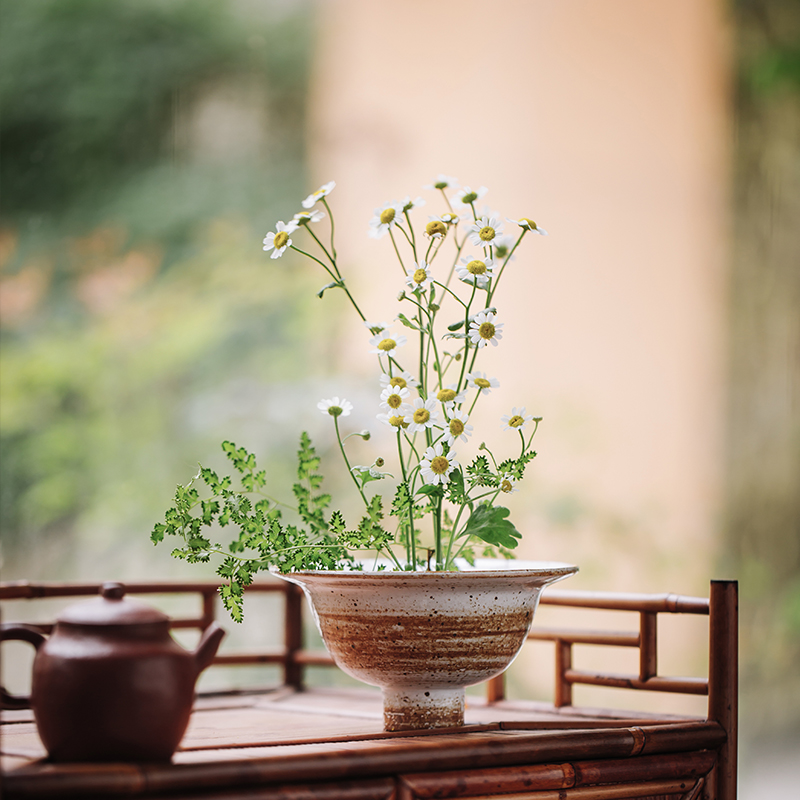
(144, 147)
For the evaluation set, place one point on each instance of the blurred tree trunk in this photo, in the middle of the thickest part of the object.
(763, 492)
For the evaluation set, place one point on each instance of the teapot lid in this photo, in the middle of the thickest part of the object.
(111, 608)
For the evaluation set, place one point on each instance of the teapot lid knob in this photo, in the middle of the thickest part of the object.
(111, 590)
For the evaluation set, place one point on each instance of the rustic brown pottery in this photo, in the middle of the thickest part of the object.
(110, 683)
(423, 636)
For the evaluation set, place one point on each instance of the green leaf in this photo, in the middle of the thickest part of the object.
(431, 490)
(331, 285)
(408, 323)
(489, 523)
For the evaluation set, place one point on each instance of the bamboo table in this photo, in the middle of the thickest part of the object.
(330, 744)
(297, 743)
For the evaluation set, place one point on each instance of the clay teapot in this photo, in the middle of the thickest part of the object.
(110, 683)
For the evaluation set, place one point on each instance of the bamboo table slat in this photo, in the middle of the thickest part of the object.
(329, 743)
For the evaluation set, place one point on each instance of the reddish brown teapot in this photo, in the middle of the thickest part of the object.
(110, 683)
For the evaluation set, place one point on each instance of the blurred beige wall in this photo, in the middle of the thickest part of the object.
(606, 122)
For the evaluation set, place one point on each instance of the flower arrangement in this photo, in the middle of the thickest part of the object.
(440, 509)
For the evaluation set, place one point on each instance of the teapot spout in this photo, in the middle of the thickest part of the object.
(207, 648)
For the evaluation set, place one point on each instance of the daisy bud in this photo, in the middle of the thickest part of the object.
(401, 295)
(379, 462)
(436, 227)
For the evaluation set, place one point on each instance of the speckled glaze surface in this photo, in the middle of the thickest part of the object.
(424, 636)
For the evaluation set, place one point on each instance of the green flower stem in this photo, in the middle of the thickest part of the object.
(451, 293)
(437, 533)
(413, 237)
(428, 252)
(330, 216)
(408, 239)
(397, 252)
(447, 201)
(536, 421)
(459, 248)
(411, 542)
(499, 274)
(466, 340)
(307, 226)
(347, 462)
(336, 277)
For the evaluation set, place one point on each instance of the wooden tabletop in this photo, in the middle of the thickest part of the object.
(284, 737)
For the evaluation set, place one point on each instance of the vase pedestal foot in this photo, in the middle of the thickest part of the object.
(407, 709)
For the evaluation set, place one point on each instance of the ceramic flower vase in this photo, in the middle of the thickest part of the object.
(424, 636)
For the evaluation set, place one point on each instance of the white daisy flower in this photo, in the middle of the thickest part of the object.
(335, 407)
(508, 483)
(483, 329)
(467, 196)
(484, 231)
(279, 239)
(450, 396)
(403, 380)
(419, 277)
(479, 381)
(528, 225)
(306, 217)
(476, 270)
(383, 344)
(435, 466)
(407, 203)
(443, 182)
(385, 216)
(394, 399)
(517, 419)
(502, 247)
(399, 421)
(315, 197)
(457, 428)
(424, 414)
(449, 218)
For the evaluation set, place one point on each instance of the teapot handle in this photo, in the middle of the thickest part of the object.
(207, 648)
(25, 633)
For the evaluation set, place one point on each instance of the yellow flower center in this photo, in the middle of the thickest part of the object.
(530, 222)
(398, 422)
(387, 216)
(470, 197)
(476, 267)
(506, 485)
(386, 345)
(436, 226)
(398, 382)
(421, 416)
(486, 330)
(487, 233)
(456, 427)
(516, 421)
(482, 383)
(420, 276)
(446, 395)
(394, 401)
(280, 239)
(439, 465)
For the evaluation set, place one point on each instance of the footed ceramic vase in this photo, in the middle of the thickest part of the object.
(422, 637)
